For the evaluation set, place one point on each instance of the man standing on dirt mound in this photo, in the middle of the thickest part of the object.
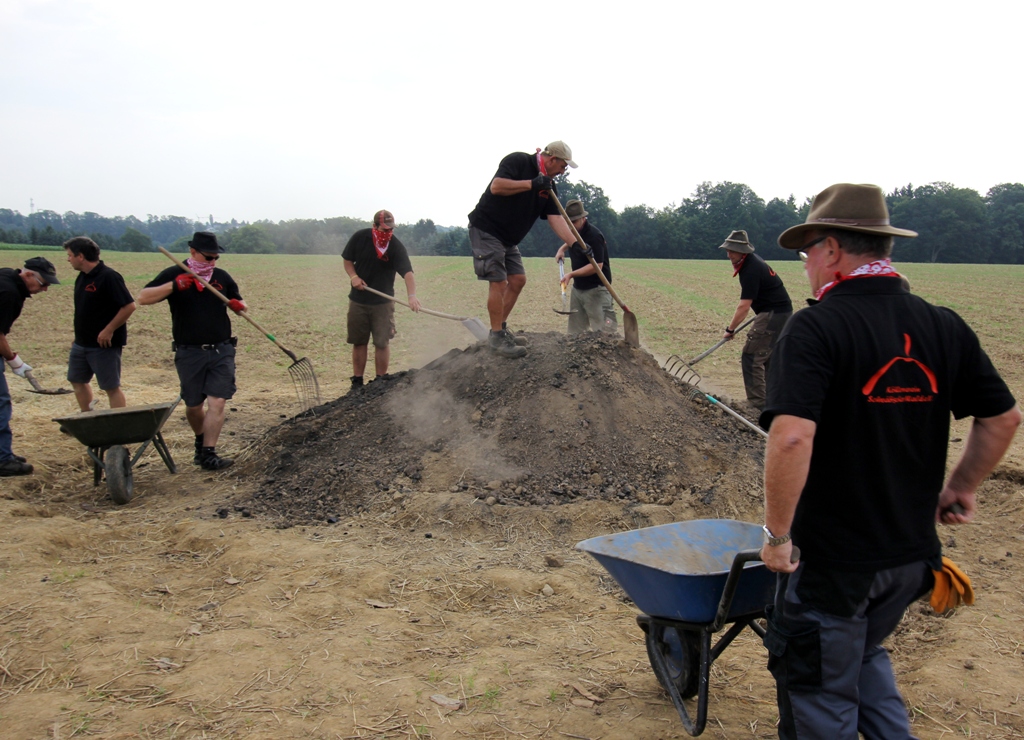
(204, 350)
(513, 201)
(102, 307)
(15, 286)
(590, 304)
(372, 258)
(761, 290)
(860, 393)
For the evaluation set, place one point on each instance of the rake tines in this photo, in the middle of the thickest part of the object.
(677, 366)
(306, 385)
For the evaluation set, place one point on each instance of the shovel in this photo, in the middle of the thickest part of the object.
(36, 388)
(561, 283)
(476, 326)
(301, 371)
(629, 325)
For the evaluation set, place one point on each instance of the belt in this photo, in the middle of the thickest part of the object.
(233, 342)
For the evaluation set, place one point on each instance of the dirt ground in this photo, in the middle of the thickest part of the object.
(402, 563)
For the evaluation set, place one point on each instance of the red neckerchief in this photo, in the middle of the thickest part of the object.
(381, 239)
(739, 266)
(540, 163)
(202, 269)
(878, 268)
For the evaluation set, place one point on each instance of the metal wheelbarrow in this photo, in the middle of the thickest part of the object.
(105, 434)
(690, 579)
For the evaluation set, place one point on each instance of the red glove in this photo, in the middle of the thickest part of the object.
(184, 281)
(236, 305)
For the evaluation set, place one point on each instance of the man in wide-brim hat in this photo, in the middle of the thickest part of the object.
(762, 291)
(860, 392)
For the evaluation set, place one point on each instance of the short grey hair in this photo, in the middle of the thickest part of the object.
(856, 242)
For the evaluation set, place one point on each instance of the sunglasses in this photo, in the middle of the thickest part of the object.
(802, 254)
(210, 257)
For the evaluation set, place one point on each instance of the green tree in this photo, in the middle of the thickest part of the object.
(1005, 205)
(250, 239)
(951, 223)
(133, 240)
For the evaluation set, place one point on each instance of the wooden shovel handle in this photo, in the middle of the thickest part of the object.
(422, 310)
(590, 257)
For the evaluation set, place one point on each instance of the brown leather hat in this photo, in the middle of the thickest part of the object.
(576, 210)
(849, 207)
(737, 241)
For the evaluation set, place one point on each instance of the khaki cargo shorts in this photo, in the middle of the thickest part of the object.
(376, 320)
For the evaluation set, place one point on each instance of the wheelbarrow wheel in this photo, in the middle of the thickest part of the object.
(118, 467)
(680, 650)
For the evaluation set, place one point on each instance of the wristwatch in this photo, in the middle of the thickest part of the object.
(774, 541)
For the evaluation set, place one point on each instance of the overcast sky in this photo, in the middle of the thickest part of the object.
(258, 110)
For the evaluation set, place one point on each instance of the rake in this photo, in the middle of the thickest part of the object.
(307, 387)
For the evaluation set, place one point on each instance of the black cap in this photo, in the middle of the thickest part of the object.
(205, 241)
(47, 272)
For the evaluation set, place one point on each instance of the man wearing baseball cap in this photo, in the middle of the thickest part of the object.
(515, 198)
(860, 391)
(16, 286)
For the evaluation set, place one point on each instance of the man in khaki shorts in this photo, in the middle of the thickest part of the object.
(372, 258)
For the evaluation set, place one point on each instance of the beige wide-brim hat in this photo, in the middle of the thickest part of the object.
(737, 241)
(849, 207)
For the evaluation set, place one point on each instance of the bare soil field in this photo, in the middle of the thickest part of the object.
(401, 563)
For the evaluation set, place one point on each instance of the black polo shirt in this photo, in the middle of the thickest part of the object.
(879, 371)
(13, 293)
(378, 273)
(99, 295)
(599, 246)
(760, 284)
(199, 317)
(510, 217)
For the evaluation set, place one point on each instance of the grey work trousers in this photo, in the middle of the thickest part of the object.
(594, 310)
(757, 353)
(833, 678)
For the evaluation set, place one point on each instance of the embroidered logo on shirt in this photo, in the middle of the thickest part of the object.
(902, 393)
(90, 288)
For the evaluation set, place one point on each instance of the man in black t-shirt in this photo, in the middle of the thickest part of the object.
(204, 350)
(860, 393)
(102, 307)
(590, 304)
(762, 291)
(372, 258)
(513, 201)
(15, 286)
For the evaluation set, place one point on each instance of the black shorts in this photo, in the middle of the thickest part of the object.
(103, 362)
(205, 372)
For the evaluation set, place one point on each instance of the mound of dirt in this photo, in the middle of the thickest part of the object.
(579, 418)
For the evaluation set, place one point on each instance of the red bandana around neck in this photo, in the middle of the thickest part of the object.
(878, 268)
(739, 266)
(381, 239)
(540, 164)
(201, 268)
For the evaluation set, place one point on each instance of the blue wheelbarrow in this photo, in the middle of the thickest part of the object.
(105, 434)
(690, 579)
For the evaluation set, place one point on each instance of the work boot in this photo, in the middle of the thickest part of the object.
(357, 382)
(212, 461)
(501, 341)
(197, 459)
(521, 341)
(14, 466)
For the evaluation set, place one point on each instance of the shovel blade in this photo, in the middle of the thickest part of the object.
(477, 329)
(54, 392)
(631, 328)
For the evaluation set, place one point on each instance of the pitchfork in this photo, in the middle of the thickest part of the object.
(307, 387)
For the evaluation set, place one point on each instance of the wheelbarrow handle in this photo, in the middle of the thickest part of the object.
(742, 558)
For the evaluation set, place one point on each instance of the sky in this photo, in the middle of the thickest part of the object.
(256, 110)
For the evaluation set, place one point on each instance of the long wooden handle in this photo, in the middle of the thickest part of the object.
(226, 300)
(423, 310)
(588, 256)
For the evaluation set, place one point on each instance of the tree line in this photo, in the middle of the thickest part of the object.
(955, 225)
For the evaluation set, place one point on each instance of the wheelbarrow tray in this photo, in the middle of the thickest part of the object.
(678, 571)
(108, 427)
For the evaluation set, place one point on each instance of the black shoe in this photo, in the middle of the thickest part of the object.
(502, 343)
(197, 459)
(521, 341)
(357, 382)
(19, 458)
(212, 461)
(15, 467)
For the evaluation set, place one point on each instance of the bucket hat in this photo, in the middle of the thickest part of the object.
(576, 210)
(737, 241)
(859, 208)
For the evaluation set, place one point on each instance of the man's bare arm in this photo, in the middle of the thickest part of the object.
(787, 461)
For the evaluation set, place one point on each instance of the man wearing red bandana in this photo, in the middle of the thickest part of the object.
(372, 258)
(516, 197)
(860, 392)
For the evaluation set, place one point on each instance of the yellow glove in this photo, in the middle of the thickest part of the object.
(952, 587)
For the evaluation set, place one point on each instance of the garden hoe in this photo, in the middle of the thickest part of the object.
(561, 282)
(301, 371)
(476, 326)
(629, 325)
